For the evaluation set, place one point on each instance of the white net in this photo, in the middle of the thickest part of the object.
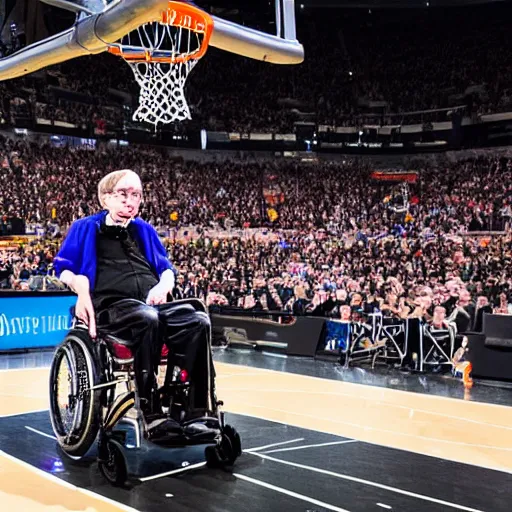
(162, 91)
(161, 56)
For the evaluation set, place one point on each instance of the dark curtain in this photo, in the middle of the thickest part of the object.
(35, 26)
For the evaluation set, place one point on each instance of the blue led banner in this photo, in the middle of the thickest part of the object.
(34, 321)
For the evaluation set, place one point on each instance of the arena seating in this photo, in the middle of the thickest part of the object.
(358, 66)
(328, 236)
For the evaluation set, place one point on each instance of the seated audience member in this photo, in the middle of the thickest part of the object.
(503, 308)
(356, 305)
(300, 306)
(418, 308)
(322, 304)
(390, 306)
(482, 308)
(463, 315)
(439, 320)
(461, 366)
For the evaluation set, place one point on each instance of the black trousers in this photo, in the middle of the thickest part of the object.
(185, 329)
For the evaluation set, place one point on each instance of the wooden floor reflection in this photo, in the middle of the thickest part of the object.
(463, 431)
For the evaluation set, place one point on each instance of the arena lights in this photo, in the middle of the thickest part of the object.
(121, 142)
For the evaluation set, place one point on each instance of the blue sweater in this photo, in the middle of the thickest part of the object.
(78, 251)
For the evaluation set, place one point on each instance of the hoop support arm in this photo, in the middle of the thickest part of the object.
(93, 34)
(254, 44)
(90, 35)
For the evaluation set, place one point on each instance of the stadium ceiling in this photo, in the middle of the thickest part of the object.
(387, 4)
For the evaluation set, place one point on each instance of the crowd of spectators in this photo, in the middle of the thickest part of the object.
(340, 197)
(411, 60)
(406, 278)
(29, 267)
(79, 114)
(282, 234)
(426, 59)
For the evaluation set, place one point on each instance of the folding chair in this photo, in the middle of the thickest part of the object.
(436, 345)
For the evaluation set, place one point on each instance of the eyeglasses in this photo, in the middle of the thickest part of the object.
(124, 194)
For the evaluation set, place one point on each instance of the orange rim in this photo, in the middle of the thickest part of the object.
(177, 14)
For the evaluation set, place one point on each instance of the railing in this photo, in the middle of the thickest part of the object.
(379, 120)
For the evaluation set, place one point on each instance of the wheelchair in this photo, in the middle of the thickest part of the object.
(93, 397)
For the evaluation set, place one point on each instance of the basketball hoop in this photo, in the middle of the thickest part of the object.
(161, 55)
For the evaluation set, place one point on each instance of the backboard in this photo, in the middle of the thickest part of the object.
(100, 24)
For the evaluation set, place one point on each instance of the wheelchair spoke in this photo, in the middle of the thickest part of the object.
(76, 397)
(65, 386)
(75, 383)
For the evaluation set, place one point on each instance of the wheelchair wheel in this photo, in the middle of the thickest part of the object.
(224, 454)
(235, 440)
(112, 466)
(74, 407)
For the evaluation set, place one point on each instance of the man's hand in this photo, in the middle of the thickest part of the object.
(84, 310)
(157, 295)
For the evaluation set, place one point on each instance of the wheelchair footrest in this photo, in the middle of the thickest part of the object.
(168, 432)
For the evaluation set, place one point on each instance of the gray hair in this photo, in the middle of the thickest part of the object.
(108, 183)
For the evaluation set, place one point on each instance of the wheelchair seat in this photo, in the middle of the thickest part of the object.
(119, 349)
(121, 352)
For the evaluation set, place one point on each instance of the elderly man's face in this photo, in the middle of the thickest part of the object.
(124, 202)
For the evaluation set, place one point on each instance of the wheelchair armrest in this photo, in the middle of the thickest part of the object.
(77, 323)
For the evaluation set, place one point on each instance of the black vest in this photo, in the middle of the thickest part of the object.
(122, 271)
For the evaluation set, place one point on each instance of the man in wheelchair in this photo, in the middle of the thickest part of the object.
(118, 267)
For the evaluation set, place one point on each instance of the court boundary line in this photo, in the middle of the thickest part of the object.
(176, 471)
(22, 413)
(41, 433)
(396, 432)
(293, 494)
(66, 484)
(343, 476)
(359, 386)
(319, 445)
(257, 448)
(379, 402)
(261, 455)
(490, 468)
(32, 368)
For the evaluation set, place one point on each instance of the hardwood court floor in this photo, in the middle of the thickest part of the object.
(464, 432)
